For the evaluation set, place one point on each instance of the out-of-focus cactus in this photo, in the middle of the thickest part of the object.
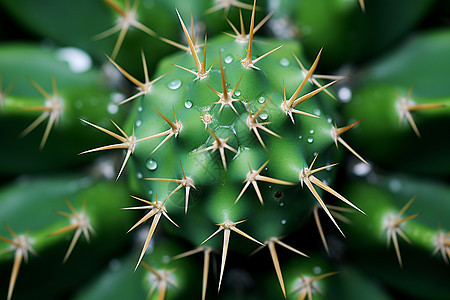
(148, 154)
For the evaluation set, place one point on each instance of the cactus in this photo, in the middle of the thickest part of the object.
(230, 143)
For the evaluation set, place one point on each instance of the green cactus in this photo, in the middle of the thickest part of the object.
(229, 144)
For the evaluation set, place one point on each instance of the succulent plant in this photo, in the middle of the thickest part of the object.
(231, 143)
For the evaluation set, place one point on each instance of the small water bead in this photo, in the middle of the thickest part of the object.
(150, 192)
(300, 137)
(345, 94)
(281, 26)
(261, 100)
(112, 108)
(264, 116)
(78, 60)
(188, 104)
(228, 59)
(174, 84)
(106, 169)
(281, 204)
(139, 175)
(284, 62)
(311, 131)
(140, 108)
(317, 112)
(361, 169)
(114, 264)
(310, 140)
(237, 93)
(117, 97)
(151, 164)
(395, 185)
(317, 270)
(283, 222)
(138, 123)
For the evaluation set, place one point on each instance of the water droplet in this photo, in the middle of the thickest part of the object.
(300, 137)
(188, 104)
(237, 93)
(284, 62)
(151, 164)
(345, 94)
(281, 204)
(113, 108)
(78, 60)
(117, 97)
(283, 222)
(107, 169)
(138, 123)
(140, 108)
(261, 100)
(174, 84)
(139, 175)
(317, 112)
(329, 120)
(395, 185)
(264, 116)
(311, 131)
(310, 140)
(317, 270)
(228, 59)
(150, 192)
(361, 169)
(114, 264)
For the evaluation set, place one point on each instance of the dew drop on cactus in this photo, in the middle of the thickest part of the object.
(174, 84)
(151, 164)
